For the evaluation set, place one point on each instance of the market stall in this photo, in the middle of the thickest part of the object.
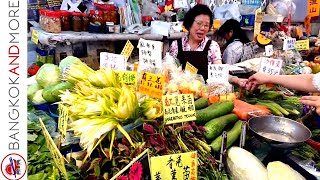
(125, 118)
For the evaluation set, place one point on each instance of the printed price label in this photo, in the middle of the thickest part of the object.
(129, 78)
(178, 108)
(127, 50)
(289, 43)
(302, 45)
(270, 66)
(151, 84)
(114, 61)
(56, 155)
(175, 166)
(313, 8)
(191, 68)
(269, 50)
(35, 36)
(218, 72)
(150, 54)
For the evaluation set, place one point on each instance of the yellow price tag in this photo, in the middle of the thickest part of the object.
(127, 50)
(216, 23)
(35, 36)
(302, 45)
(257, 23)
(151, 84)
(178, 108)
(62, 120)
(56, 155)
(129, 78)
(175, 166)
(191, 68)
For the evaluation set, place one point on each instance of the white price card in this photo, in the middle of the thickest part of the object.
(269, 50)
(289, 43)
(150, 53)
(218, 72)
(114, 61)
(270, 66)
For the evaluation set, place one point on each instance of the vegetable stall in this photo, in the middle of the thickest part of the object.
(161, 124)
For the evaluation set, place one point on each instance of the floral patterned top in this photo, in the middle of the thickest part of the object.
(214, 53)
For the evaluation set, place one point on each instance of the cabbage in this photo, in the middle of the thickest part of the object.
(48, 74)
(32, 89)
(37, 98)
(66, 62)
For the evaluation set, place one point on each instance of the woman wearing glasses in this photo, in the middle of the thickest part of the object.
(195, 47)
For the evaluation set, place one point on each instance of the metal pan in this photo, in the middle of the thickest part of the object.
(278, 131)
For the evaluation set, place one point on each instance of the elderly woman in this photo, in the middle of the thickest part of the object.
(195, 47)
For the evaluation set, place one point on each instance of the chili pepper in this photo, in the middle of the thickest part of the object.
(33, 69)
(314, 144)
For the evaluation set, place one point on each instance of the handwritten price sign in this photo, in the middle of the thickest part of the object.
(302, 45)
(127, 50)
(270, 66)
(151, 84)
(218, 72)
(114, 61)
(191, 68)
(289, 43)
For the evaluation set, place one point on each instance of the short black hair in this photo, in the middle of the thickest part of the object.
(234, 26)
(199, 9)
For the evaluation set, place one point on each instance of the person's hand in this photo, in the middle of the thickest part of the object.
(257, 79)
(311, 101)
(239, 81)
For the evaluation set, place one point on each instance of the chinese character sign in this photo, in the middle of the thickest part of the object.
(175, 167)
(270, 66)
(150, 53)
(189, 67)
(302, 45)
(313, 8)
(218, 72)
(127, 50)
(114, 61)
(289, 43)
(129, 78)
(151, 84)
(178, 108)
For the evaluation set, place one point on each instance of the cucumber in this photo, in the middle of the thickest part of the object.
(232, 135)
(273, 109)
(215, 110)
(215, 126)
(201, 103)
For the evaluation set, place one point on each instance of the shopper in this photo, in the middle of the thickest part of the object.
(195, 47)
(304, 82)
(236, 39)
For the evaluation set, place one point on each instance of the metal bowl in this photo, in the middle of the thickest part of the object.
(278, 131)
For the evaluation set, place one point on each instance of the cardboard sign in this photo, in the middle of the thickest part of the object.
(128, 78)
(151, 84)
(270, 66)
(178, 108)
(302, 45)
(289, 43)
(189, 67)
(139, 168)
(182, 166)
(35, 36)
(269, 50)
(56, 155)
(150, 53)
(114, 61)
(127, 50)
(313, 8)
(218, 72)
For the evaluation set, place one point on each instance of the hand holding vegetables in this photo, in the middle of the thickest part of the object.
(311, 101)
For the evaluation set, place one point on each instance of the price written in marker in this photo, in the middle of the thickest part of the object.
(175, 166)
(313, 8)
(302, 45)
(269, 50)
(114, 61)
(151, 84)
(150, 54)
(129, 78)
(35, 36)
(289, 43)
(270, 66)
(218, 72)
(191, 68)
(178, 108)
(127, 50)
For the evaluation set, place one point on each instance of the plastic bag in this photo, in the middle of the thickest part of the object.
(283, 7)
(227, 11)
(149, 9)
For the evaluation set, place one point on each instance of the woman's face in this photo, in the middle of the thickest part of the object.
(200, 27)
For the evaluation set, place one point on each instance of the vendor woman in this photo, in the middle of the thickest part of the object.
(236, 38)
(195, 47)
